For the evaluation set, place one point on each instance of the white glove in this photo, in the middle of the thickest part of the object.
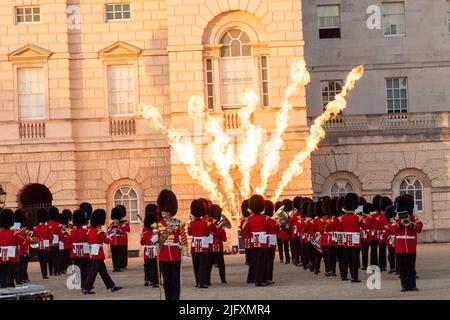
(184, 259)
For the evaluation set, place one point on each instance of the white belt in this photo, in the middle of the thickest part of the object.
(204, 242)
(81, 248)
(149, 248)
(405, 237)
(172, 244)
(8, 251)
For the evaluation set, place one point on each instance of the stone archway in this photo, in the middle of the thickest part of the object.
(34, 197)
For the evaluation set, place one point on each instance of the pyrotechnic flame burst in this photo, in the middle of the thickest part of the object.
(222, 150)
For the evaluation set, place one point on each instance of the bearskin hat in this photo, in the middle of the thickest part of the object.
(63, 220)
(6, 219)
(288, 205)
(384, 203)
(333, 206)
(277, 205)
(304, 207)
(297, 202)
(167, 202)
(318, 212)
(310, 209)
(368, 208)
(20, 216)
(116, 213)
(98, 218)
(68, 214)
(123, 211)
(326, 207)
(53, 213)
(350, 202)
(42, 215)
(376, 202)
(390, 212)
(257, 204)
(151, 208)
(339, 205)
(269, 208)
(244, 208)
(362, 201)
(86, 207)
(79, 218)
(149, 220)
(405, 203)
(215, 212)
(198, 208)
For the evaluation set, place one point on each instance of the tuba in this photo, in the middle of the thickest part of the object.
(223, 222)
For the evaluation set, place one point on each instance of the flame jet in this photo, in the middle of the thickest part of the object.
(300, 78)
(317, 133)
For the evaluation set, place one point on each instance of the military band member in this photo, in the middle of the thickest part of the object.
(284, 237)
(64, 245)
(406, 228)
(149, 240)
(220, 236)
(172, 243)
(383, 222)
(123, 241)
(44, 235)
(96, 238)
(366, 233)
(305, 236)
(293, 224)
(309, 229)
(80, 245)
(327, 232)
(57, 236)
(9, 242)
(272, 230)
(245, 238)
(376, 229)
(23, 248)
(116, 233)
(390, 216)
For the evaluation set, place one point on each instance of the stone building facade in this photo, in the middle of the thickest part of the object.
(72, 73)
(394, 137)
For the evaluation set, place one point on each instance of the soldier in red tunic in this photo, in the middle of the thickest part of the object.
(390, 216)
(149, 240)
(272, 230)
(406, 228)
(257, 228)
(44, 235)
(295, 232)
(375, 230)
(9, 242)
(219, 237)
(80, 245)
(173, 246)
(97, 237)
(383, 222)
(123, 241)
(366, 233)
(57, 236)
(25, 240)
(116, 232)
(327, 231)
(304, 239)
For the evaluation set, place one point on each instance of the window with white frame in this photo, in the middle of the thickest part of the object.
(264, 67)
(209, 83)
(329, 21)
(397, 95)
(128, 197)
(119, 11)
(413, 187)
(28, 14)
(236, 67)
(330, 88)
(340, 188)
(121, 90)
(394, 18)
(30, 93)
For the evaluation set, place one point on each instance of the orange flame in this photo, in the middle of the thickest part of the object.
(317, 133)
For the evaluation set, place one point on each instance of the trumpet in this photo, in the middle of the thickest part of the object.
(405, 222)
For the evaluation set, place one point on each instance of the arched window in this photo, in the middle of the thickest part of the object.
(236, 66)
(414, 188)
(128, 197)
(340, 188)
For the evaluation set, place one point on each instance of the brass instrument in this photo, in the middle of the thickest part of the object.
(223, 222)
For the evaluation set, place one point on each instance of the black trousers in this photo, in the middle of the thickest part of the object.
(391, 258)
(116, 257)
(220, 261)
(306, 255)
(280, 249)
(209, 266)
(54, 261)
(317, 260)
(83, 265)
(331, 257)
(98, 266)
(124, 257)
(270, 259)
(151, 271)
(312, 256)
(260, 265)
(350, 260)
(407, 268)
(44, 263)
(7, 272)
(22, 269)
(247, 256)
(374, 252)
(295, 249)
(251, 266)
(365, 254)
(200, 263)
(171, 279)
(382, 263)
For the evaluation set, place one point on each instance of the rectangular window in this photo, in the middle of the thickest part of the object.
(394, 18)
(397, 95)
(210, 84)
(329, 21)
(237, 76)
(264, 64)
(120, 11)
(121, 90)
(28, 14)
(31, 96)
(330, 88)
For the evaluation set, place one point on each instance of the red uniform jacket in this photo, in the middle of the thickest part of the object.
(352, 228)
(96, 239)
(24, 241)
(149, 240)
(80, 243)
(366, 228)
(376, 226)
(272, 230)
(328, 229)
(405, 237)
(257, 229)
(8, 246)
(43, 233)
(220, 236)
(200, 230)
(293, 223)
(384, 224)
(119, 231)
(176, 242)
(57, 234)
(245, 234)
